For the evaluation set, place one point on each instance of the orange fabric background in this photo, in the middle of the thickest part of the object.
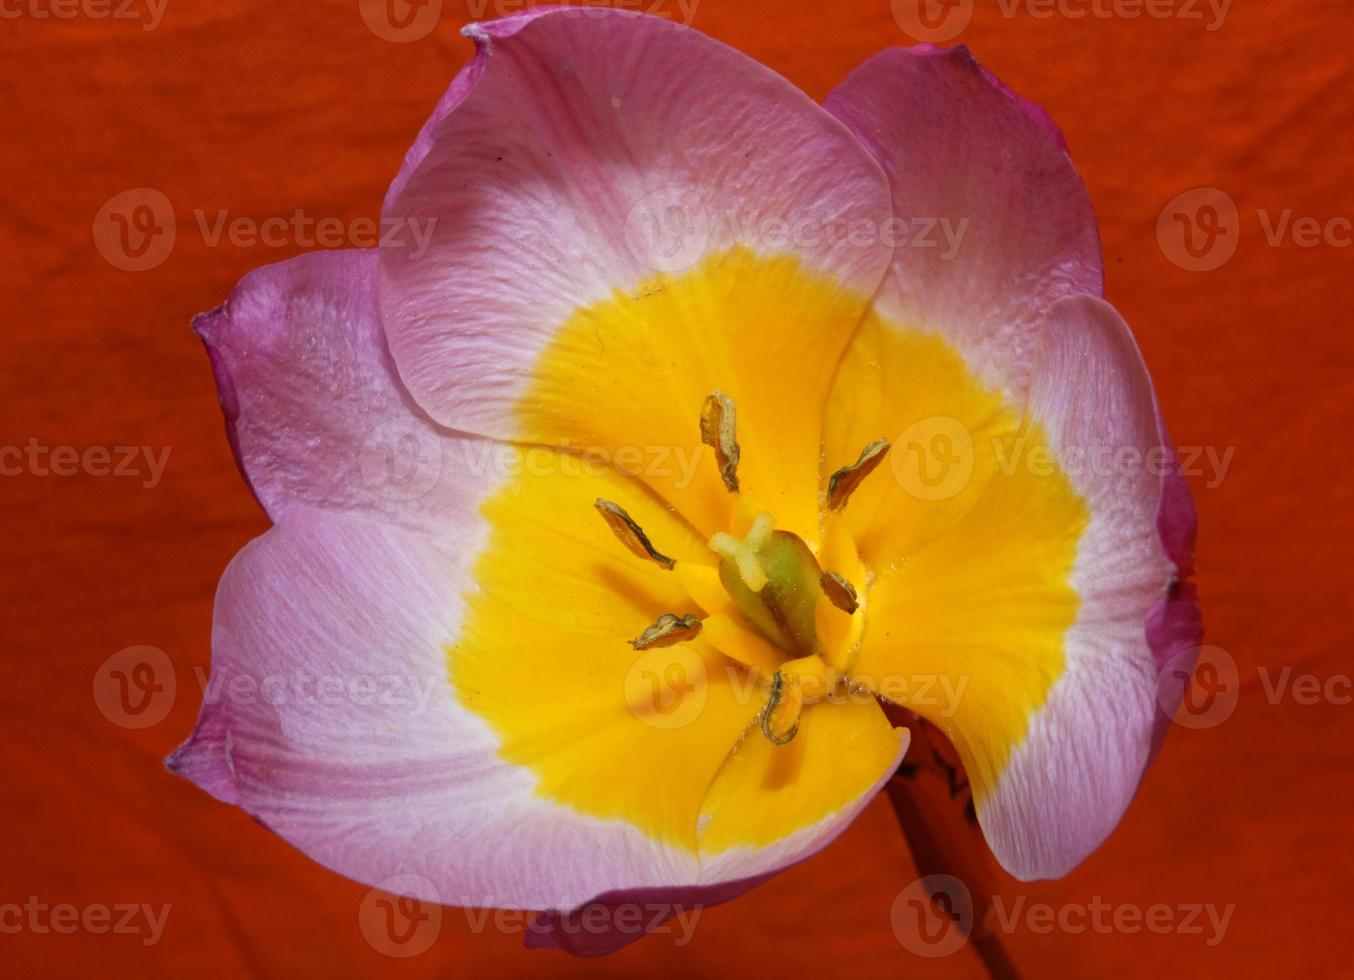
(262, 108)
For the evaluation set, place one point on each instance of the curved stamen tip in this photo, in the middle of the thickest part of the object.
(668, 631)
(780, 717)
(843, 483)
(719, 430)
(631, 534)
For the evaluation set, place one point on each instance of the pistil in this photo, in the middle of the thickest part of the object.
(774, 580)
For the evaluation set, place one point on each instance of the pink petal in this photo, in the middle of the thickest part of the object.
(461, 86)
(330, 718)
(1068, 784)
(543, 172)
(960, 147)
(1175, 625)
(314, 410)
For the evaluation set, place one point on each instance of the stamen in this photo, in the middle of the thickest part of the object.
(629, 533)
(719, 430)
(843, 483)
(746, 554)
(780, 717)
(667, 631)
(840, 592)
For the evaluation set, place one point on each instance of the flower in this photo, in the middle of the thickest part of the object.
(605, 515)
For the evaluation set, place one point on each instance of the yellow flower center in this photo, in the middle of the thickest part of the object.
(779, 596)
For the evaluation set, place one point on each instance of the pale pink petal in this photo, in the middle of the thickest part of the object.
(590, 151)
(1068, 784)
(461, 86)
(314, 409)
(329, 716)
(1000, 223)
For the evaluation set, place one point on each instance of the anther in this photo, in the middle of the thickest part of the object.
(629, 533)
(843, 483)
(780, 717)
(719, 430)
(668, 630)
(840, 592)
